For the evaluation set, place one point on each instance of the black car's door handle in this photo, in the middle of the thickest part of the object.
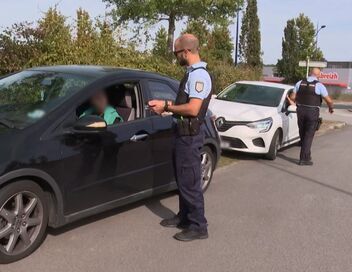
(138, 137)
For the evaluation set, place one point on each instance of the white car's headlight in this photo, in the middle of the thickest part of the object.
(263, 125)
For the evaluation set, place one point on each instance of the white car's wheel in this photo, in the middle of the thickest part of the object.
(208, 165)
(274, 146)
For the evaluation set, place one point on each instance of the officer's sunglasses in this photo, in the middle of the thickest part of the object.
(179, 51)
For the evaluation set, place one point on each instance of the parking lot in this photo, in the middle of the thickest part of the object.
(263, 216)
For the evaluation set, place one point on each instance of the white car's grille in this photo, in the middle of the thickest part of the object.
(222, 125)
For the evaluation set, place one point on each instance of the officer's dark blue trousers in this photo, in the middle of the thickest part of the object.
(308, 118)
(188, 176)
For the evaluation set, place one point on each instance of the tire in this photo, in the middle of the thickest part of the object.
(207, 167)
(24, 217)
(274, 146)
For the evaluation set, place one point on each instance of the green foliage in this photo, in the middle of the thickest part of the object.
(56, 43)
(160, 44)
(53, 41)
(226, 74)
(153, 11)
(18, 45)
(250, 39)
(220, 45)
(201, 30)
(215, 44)
(298, 43)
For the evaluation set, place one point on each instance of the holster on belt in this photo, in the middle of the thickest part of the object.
(188, 126)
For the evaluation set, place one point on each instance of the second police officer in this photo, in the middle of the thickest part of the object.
(189, 111)
(308, 95)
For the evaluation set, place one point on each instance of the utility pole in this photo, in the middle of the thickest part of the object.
(237, 35)
(317, 34)
(316, 45)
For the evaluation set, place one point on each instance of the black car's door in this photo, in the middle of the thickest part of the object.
(108, 166)
(163, 137)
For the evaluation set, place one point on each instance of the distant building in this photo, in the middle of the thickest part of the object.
(337, 77)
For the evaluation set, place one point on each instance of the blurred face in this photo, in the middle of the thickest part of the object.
(99, 101)
(291, 95)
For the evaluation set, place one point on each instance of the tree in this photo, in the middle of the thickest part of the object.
(288, 65)
(250, 39)
(220, 45)
(105, 45)
(297, 44)
(200, 29)
(86, 38)
(56, 38)
(160, 44)
(215, 43)
(19, 44)
(153, 11)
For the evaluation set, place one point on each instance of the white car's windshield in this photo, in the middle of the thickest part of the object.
(27, 96)
(252, 94)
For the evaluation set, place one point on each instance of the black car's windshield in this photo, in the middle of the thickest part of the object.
(28, 96)
(252, 94)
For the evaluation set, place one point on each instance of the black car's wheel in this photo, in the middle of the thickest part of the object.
(23, 220)
(208, 166)
(274, 146)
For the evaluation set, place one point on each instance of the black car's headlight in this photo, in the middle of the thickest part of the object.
(263, 125)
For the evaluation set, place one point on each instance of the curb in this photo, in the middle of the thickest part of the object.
(337, 126)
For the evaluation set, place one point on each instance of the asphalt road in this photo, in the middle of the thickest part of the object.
(263, 216)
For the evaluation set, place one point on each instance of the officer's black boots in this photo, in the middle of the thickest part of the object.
(173, 222)
(302, 163)
(190, 235)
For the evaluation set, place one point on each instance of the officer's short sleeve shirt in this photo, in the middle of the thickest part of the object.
(319, 87)
(199, 81)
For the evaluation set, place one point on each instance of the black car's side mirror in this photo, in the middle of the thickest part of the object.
(89, 124)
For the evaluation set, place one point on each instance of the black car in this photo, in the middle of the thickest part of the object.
(56, 167)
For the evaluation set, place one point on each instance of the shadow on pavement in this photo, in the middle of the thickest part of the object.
(153, 204)
(289, 159)
(240, 155)
(309, 179)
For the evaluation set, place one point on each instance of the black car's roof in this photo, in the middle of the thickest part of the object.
(99, 71)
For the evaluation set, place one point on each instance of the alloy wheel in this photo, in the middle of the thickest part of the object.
(207, 168)
(21, 218)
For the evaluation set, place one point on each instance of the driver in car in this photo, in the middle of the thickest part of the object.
(290, 98)
(100, 106)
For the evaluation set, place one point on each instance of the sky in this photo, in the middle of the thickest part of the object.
(335, 40)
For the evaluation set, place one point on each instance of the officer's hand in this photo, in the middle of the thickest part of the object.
(157, 106)
(331, 110)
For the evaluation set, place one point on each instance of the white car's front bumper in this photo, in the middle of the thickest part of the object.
(245, 139)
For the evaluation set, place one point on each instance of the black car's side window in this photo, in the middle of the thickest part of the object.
(116, 104)
(160, 90)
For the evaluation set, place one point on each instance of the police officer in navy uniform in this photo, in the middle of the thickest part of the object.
(189, 112)
(309, 94)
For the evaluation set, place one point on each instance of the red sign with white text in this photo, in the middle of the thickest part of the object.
(329, 76)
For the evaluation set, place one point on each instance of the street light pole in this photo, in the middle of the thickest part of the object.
(316, 45)
(317, 35)
(237, 35)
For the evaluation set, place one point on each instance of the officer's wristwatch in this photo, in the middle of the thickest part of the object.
(166, 105)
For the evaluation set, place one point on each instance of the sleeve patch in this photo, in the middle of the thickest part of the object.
(199, 86)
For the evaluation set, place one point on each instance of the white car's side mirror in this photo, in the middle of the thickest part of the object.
(292, 109)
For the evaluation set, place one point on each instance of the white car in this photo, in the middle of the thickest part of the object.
(255, 117)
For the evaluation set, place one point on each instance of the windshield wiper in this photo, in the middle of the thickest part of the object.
(6, 123)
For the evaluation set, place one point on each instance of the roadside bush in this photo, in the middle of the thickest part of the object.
(226, 74)
(52, 41)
